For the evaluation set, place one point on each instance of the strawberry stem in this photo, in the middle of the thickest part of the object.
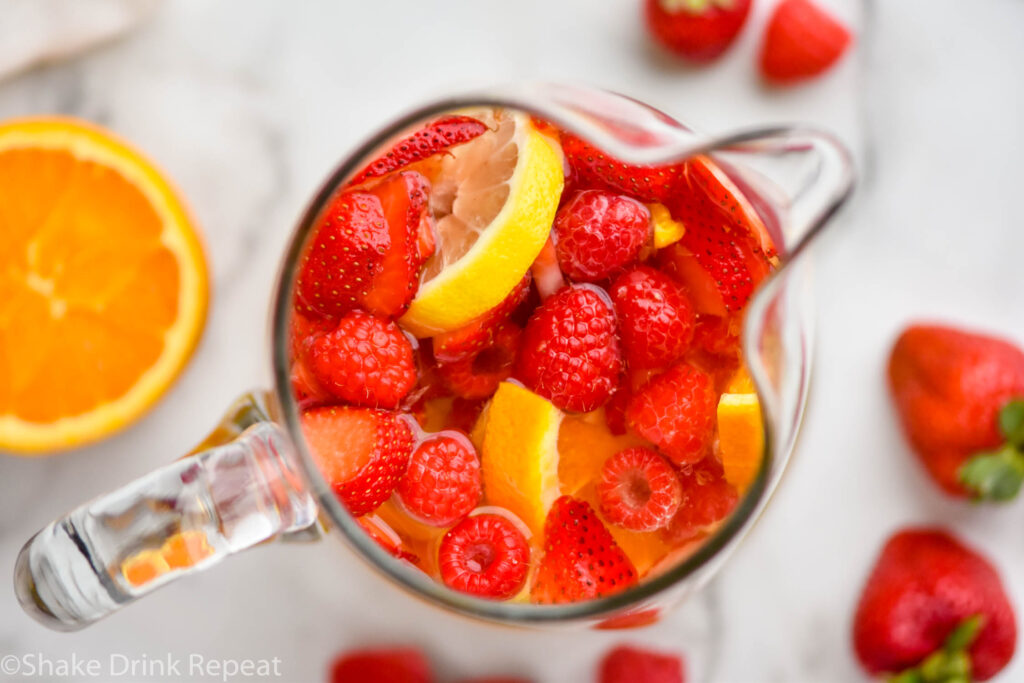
(951, 664)
(998, 475)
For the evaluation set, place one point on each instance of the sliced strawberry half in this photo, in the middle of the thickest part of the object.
(437, 136)
(403, 198)
(593, 169)
(362, 453)
(581, 559)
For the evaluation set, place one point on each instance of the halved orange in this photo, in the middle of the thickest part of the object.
(103, 284)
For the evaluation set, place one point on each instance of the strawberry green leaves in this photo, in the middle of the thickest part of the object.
(998, 476)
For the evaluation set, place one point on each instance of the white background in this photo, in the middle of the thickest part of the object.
(247, 104)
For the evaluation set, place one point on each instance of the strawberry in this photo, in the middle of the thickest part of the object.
(801, 41)
(442, 483)
(496, 679)
(477, 335)
(464, 414)
(718, 259)
(403, 198)
(933, 610)
(485, 555)
(592, 169)
(346, 252)
(615, 409)
(305, 387)
(627, 664)
(960, 398)
(656, 319)
(570, 353)
(581, 559)
(433, 138)
(699, 30)
(638, 490)
(379, 530)
(676, 411)
(597, 232)
(478, 375)
(382, 665)
(362, 453)
(364, 360)
(706, 498)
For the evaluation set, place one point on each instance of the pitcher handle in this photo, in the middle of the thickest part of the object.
(175, 521)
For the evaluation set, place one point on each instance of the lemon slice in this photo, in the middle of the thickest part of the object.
(740, 438)
(494, 200)
(519, 460)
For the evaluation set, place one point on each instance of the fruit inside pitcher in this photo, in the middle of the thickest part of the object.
(518, 359)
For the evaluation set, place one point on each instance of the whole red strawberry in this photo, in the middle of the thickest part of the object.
(699, 30)
(581, 559)
(933, 610)
(960, 398)
(801, 42)
(627, 664)
(676, 411)
(656, 318)
(597, 232)
(362, 453)
(570, 351)
(433, 138)
(364, 360)
(382, 665)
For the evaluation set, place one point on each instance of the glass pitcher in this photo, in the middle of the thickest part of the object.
(253, 479)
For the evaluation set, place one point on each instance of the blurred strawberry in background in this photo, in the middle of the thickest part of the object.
(960, 398)
(933, 611)
(802, 41)
(699, 30)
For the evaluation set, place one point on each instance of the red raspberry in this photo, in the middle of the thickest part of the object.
(382, 665)
(362, 453)
(676, 411)
(364, 360)
(474, 337)
(478, 375)
(570, 352)
(442, 484)
(707, 498)
(638, 490)
(485, 555)
(656, 318)
(581, 559)
(625, 664)
(596, 232)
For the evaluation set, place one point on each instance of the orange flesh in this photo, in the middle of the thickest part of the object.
(87, 289)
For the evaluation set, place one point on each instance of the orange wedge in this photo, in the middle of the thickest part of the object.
(584, 444)
(519, 459)
(740, 438)
(103, 284)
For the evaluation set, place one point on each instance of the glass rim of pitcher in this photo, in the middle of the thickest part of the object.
(411, 579)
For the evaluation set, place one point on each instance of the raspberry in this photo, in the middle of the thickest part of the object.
(478, 375)
(656, 319)
(625, 664)
(570, 354)
(485, 555)
(364, 360)
(707, 498)
(442, 484)
(676, 411)
(382, 665)
(638, 490)
(362, 453)
(598, 231)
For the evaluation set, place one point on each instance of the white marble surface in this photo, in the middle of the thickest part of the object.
(248, 104)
